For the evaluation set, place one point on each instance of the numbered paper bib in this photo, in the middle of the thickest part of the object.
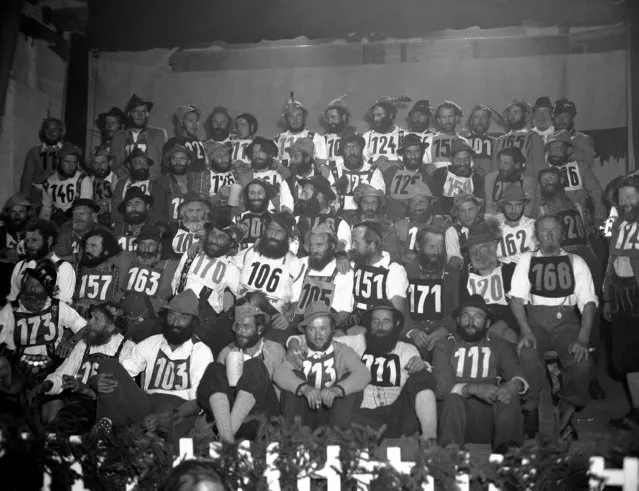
(551, 277)
(197, 149)
(145, 186)
(36, 329)
(401, 181)
(273, 177)
(473, 362)
(369, 286)
(455, 185)
(175, 203)
(128, 243)
(95, 285)
(425, 299)
(320, 372)
(482, 146)
(264, 276)
(573, 176)
(385, 369)
(170, 374)
(102, 190)
(490, 287)
(239, 150)
(514, 243)
(218, 181)
(625, 241)
(91, 362)
(441, 146)
(574, 230)
(143, 280)
(205, 272)
(63, 193)
(355, 178)
(384, 145)
(517, 140)
(314, 289)
(182, 241)
(255, 224)
(333, 142)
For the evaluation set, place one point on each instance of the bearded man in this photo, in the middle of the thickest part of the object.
(382, 141)
(520, 136)
(108, 123)
(219, 175)
(173, 364)
(39, 242)
(15, 214)
(336, 118)
(420, 118)
(102, 181)
(399, 179)
(457, 178)
(480, 141)
(33, 326)
(563, 118)
(467, 367)
(138, 167)
(420, 205)
(193, 214)
(170, 189)
(103, 337)
(542, 118)
(621, 295)
(401, 393)
(61, 189)
(467, 212)
(146, 284)
(220, 125)
(433, 292)
(84, 219)
(511, 166)
(209, 274)
(254, 393)
(295, 116)
(257, 196)
(316, 395)
(40, 161)
(187, 136)
(517, 230)
(139, 135)
(134, 211)
(448, 116)
(355, 172)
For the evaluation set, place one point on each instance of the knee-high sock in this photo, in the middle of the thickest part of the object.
(222, 413)
(426, 409)
(244, 402)
(633, 386)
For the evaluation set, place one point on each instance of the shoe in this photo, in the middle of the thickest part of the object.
(596, 391)
(628, 421)
(531, 423)
(103, 429)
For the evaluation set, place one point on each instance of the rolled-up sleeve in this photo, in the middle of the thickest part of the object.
(397, 281)
(520, 284)
(584, 286)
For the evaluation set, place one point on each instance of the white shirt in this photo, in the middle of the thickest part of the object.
(62, 193)
(65, 281)
(280, 279)
(67, 319)
(161, 364)
(545, 134)
(516, 240)
(72, 364)
(453, 249)
(218, 274)
(583, 294)
(343, 295)
(396, 280)
(382, 144)
(239, 151)
(286, 139)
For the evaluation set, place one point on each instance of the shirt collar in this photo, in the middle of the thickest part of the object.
(320, 354)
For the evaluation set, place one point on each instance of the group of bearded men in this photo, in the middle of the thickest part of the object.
(412, 278)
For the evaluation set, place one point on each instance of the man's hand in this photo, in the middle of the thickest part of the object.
(435, 336)
(578, 350)
(194, 250)
(313, 398)
(527, 340)
(508, 391)
(484, 392)
(73, 384)
(607, 311)
(416, 364)
(343, 265)
(280, 322)
(12, 254)
(329, 394)
(295, 353)
(65, 347)
(420, 338)
(455, 262)
(103, 383)
(383, 164)
(153, 421)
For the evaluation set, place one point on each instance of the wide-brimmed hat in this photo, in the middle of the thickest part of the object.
(363, 190)
(476, 301)
(136, 101)
(513, 192)
(412, 140)
(564, 106)
(314, 310)
(185, 302)
(89, 203)
(321, 184)
(178, 148)
(304, 145)
(482, 233)
(46, 274)
(560, 136)
(132, 193)
(247, 310)
(286, 220)
(422, 106)
(543, 101)
(17, 199)
(149, 232)
(459, 145)
(216, 149)
(182, 111)
(116, 112)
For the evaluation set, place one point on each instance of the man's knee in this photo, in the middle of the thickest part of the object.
(417, 382)
(454, 403)
(213, 381)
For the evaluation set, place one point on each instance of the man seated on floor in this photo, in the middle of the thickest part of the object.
(326, 387)
(173, 364)
(254, 392)
(467, 367)
(73, 412)
(401, 393)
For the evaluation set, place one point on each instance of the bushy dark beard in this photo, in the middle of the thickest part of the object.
(413, 165)
(33, 302)
(263, 165)
(179, 170)
(377, 344)
(102, 173)
(148, 259)
(509, 176)
(247, 342)
(556, 160)
(220, 169)
(138, 175)
(353, 162)
(220, 134)
(336, 127)
(270, 250)
(304, 168)
(550, 192)
(257, 206)
(383, 125)
(629, 213)
(431, 263)
(360, 260)
(90, 261)
(512, 218)
(135, 218)
(178, 336)
(310, 208)
(471, 337)
(96, 338)
(419, 126)
(39, 254)
(461, 170)
(319, 263)
(517, 125)
(66, 175)
(214, 252)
